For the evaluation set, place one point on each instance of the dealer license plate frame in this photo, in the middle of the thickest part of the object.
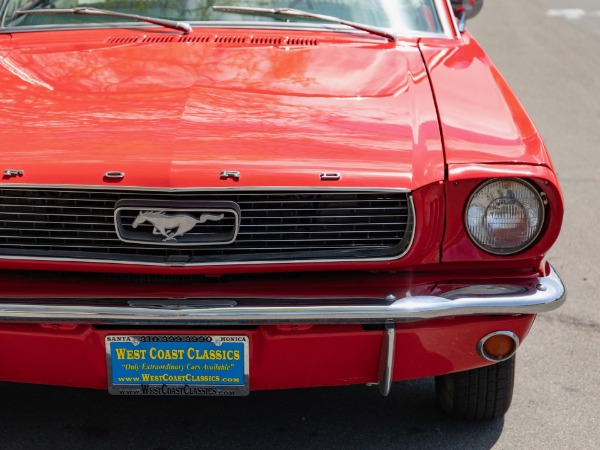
(121, 380)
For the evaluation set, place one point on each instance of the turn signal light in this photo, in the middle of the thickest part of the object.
(498, 345)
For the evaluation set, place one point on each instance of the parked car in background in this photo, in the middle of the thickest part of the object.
(215, 197)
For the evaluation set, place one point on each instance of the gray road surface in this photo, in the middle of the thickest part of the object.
(549, 50)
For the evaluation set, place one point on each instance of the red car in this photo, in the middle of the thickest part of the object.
(211, 198)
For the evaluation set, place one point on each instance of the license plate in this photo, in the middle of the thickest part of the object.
(177, 365)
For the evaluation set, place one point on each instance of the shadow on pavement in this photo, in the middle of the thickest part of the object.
(350, 417)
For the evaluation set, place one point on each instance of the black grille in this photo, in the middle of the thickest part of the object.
(274, 226)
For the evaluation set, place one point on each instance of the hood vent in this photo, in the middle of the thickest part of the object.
(218, 39)
(266, 40)
(122, 40)
(158, 39)
(230, 39)
(195, 39)
(304, 42)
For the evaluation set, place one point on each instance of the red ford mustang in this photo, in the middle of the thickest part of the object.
(209, 198)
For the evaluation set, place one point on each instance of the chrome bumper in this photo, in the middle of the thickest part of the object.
(521, 296)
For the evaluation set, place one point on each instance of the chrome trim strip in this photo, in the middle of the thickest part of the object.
(526, 297)
(199, 26)
(386, 362)
(450, 23)
(216, 264)
(215, 188)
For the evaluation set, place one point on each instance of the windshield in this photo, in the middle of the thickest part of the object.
(397, 15)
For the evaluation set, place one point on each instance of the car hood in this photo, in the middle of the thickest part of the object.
(174, 112)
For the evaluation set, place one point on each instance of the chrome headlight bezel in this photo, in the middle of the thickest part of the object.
(539, 214)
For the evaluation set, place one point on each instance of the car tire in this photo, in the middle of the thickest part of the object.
(477, 394)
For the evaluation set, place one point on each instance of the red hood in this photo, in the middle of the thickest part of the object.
(175, 114)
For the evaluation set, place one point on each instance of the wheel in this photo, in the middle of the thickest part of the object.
(477, 394)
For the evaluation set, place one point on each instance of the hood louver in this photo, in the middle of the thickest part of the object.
(230, 39)
(195, 39)
(122, 40)
(266, 40)
(158, 39)
(217, 39)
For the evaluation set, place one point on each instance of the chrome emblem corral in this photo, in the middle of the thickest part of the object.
(177, 223)
(173, 225)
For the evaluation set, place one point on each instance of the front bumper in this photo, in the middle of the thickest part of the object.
(497, 297)
(375, 332)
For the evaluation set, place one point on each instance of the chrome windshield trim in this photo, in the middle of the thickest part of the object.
(198, 25)
(528, 296)
(444, 10)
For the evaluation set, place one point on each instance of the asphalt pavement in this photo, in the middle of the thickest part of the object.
(549, 51)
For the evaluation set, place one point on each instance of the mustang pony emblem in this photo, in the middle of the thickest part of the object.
(171, 226)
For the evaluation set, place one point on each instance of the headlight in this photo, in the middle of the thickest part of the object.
(504, 216)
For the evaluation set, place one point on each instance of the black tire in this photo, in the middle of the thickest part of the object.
(477, 394)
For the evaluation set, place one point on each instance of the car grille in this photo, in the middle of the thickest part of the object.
(64, 223)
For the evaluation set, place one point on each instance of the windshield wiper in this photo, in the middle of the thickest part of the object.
(305, 14)
(182, 26)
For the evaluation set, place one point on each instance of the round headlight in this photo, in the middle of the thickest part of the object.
(504, 216)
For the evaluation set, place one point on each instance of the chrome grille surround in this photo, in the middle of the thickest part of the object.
(278, 225)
